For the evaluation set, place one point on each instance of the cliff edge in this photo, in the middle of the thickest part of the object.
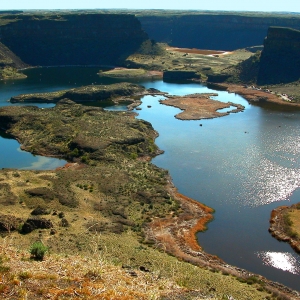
(280, 58)
(71, 39)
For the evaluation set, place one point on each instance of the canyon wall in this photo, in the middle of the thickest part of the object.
(214, 31)
(280, 58)
(71, 39)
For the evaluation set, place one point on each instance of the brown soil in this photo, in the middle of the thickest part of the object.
(256, 95)
(199, 106)
(277, 227)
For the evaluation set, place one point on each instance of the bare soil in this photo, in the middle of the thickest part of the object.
(199, 106)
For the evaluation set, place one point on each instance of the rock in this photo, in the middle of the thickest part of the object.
(144, 269)
(41, 192)
(64, 223)
(61, 215)
(170, 76)
(40, 211)
(36, 223)
(53, 231)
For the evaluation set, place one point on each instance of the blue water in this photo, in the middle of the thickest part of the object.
(243, 165)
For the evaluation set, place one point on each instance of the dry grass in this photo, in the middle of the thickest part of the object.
(201, 61)
(75, 277)
(294, 216)
(111, 269)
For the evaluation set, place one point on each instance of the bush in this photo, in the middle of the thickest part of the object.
(38, 250)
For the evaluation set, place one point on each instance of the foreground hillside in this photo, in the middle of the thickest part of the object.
(100, 214)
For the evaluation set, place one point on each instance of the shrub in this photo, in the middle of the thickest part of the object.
(38, 250)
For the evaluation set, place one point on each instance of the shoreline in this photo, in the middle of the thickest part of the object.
(254, 95)
(277, 227)
(200, 106)
(177, 236)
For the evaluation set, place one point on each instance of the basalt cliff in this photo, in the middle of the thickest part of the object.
(71, 39)
(280, 58)
(207, 30)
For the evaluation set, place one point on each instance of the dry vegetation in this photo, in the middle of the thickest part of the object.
(285, 225)
(95, 213)
(202, 62)
(114, 267)
(200, 106)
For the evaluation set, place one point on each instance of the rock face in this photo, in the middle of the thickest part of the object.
(213, 31)
(36, 223)
(280, 58)
(179, 75)
(71, 39)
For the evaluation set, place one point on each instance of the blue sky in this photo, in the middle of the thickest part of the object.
(253, 5)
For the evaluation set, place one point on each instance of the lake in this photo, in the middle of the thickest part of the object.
(243, 165)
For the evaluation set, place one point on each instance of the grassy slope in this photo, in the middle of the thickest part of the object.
(106, 204)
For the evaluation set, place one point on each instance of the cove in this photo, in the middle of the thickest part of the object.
(243, 165)
(13, 157)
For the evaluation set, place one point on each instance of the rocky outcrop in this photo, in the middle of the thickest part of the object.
(218, 31)
(85, 93)
(36, 223)
(280, 58)
(9, 223)
(71, 39)
(215, 78)
(8, 58)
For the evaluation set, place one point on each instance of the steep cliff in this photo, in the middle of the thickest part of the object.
(213, 31)
(71, 39)
(9, 64)
(280, 58)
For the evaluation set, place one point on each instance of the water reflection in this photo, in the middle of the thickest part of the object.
(13, 157)
(44, 163)
(280, 260)
(266, 181)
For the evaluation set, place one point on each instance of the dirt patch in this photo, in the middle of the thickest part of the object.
(199, 106)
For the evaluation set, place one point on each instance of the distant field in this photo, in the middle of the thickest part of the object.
(196, 51)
